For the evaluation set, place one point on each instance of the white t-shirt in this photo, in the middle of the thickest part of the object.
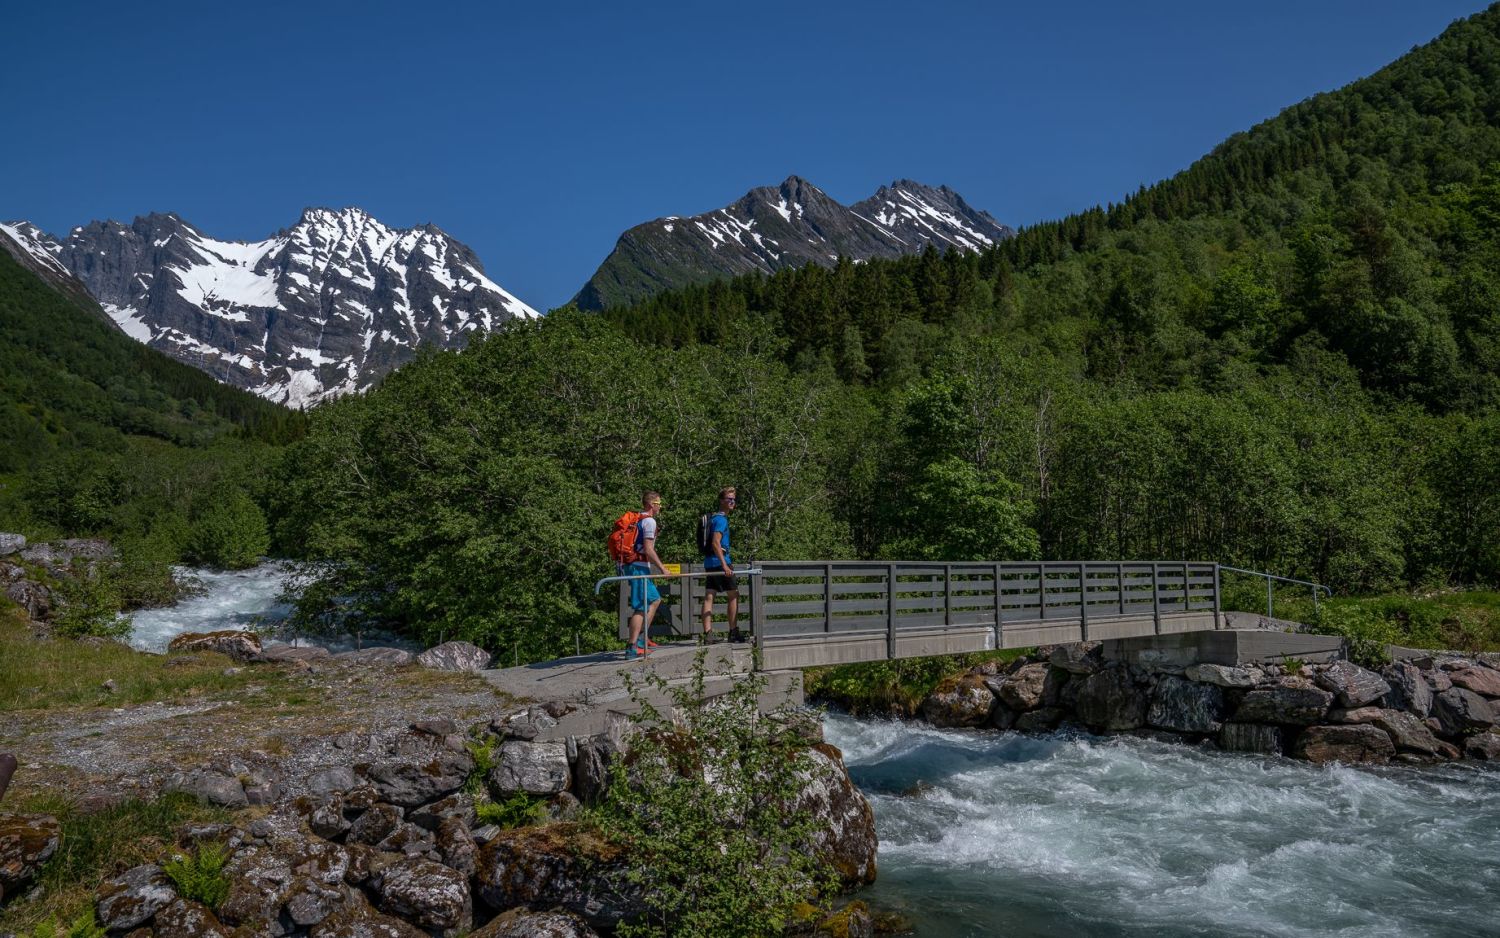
(648, 530)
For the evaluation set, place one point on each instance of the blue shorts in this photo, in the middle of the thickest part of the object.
(642, 592)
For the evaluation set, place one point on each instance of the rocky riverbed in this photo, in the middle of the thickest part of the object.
(1429, 708)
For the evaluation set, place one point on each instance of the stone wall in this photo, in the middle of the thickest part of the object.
(1431, 708)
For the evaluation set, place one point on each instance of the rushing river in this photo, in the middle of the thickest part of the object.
(224, 599)
(985, 833)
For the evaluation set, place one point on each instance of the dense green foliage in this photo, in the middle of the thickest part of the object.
(1284, 358)
(100, 435)
(708, 805)
(891, 688)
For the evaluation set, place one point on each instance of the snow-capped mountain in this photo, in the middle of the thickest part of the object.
(325, 307)
(789, 225)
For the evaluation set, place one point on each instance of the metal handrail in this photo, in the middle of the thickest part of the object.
(749, 571)
(1270, 579)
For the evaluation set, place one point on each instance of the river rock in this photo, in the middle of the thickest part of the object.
(1352, 685)
(560, 865)
(1251, 737)
(209, 785)
(534, 768)
(1109, 700)
(1186, 706)
(131, 898)
(1478, 679)
(430, 895)
(1459, 710)
(86, 548)
(333, 778)
(591, 770)
(1407, 731)
(456, 845)
(326, 817)
(241, 646)
(1409, 689)
(1081, 658)
(1484, 746)
(431, 816)
(1349, 744)
(964, 701)
(11, 544)
(375, 825)
(31, 596)
(455, 656)
(26, 842)
(283, 654)
(377, 657)
(1357, 715)
(524, 923)
(411, 781)
(1002, 717)
(358, 919)
(1040, 720)
(1024, 688)
(1291, 700)
(1439, 681)
(1222, 675)
(185, 918)
(845, 835)
(852, 921)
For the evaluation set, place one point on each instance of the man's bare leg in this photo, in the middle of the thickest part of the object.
(734, 609)
(636, 620)
(708, 612)
(645, 638)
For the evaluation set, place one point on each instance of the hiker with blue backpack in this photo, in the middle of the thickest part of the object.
(632, 546)
(713, 543)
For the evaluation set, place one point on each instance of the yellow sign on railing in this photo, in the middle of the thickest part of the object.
(673, 568)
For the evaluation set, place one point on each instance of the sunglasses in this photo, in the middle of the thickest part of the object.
(729, 501)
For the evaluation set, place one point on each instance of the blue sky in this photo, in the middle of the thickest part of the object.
(537, 133)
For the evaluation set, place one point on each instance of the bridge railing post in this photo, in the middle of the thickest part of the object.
(1120, 586)
(1041, 590)
(827, 597)
(890, 611)
(999, 616)
(947, 595)
(1218, 616)
(1156, 595)
(1083, 602)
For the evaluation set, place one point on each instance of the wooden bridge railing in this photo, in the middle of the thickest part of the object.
(862, 611)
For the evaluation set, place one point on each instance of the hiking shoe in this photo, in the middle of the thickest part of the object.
(635, 651)
(736, 636)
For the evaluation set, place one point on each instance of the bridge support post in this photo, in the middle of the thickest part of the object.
(1156, 595)
(890, 611)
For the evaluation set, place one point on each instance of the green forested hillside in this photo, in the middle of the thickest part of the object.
(1285, 357)
(100, 435)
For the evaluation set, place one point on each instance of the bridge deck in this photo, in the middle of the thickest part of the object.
(805, 614)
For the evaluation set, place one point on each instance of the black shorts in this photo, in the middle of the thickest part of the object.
(720, 583)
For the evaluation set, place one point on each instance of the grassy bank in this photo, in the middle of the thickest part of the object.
(1463, 620)
(893, 688)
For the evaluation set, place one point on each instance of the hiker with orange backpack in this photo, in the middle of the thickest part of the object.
(632, 546)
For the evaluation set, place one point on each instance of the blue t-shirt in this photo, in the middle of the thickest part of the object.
(720, 523)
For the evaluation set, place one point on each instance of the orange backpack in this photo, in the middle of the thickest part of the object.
(624, 538)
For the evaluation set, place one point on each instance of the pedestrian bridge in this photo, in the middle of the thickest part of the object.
(804, 614)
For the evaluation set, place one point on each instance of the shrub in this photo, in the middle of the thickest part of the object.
(229, 532)
(90, 604)
(200, 876)
(519, 810)
(707, 805)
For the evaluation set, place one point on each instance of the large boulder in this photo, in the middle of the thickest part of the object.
(31, 596)
(1459, 710)
(411, 781)
(1223, 675)
(431, 816)
(1352, 685)
(1484, 746)
(1252, 737)
(185, 918)
(1080, 658)
(26, 842)
(11, 544)
(961, 701)
(524, 923)
(455, 656)
(290, 874)
(1409, 689)
(1480, 680)
(430, 895)
(456, 845)
(332, 778)
(209, 785)
(1110, 700)
(287, 654)
(133, 897)
(845, 835)
(534, 768)
(377, 657)
(560, 866)
(1024, 688)
(375, 825)
(1291, 700)
(359, 919)
(1407, 731)
(1186, 706)
(1355, 743)
(239, 645)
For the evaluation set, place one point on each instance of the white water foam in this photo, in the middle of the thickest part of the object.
(235, 599)
(985, 833)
